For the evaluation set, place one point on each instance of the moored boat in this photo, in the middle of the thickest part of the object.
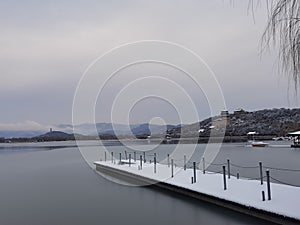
(296, 138)
(259, 144)
(256, 143)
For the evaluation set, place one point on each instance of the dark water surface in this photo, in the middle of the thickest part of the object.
(58, 187)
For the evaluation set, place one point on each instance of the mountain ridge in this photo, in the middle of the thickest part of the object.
(265, 122)
(273, 122)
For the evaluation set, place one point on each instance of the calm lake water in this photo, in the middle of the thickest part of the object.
(50, 183)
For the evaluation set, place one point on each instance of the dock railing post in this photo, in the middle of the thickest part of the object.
(105, 156)
(144, 153)
(228, 168)
(268, 184)
(203, 165)
(141, 161)
(184, 162)
(172, 167)
(224, 177)
(120, 157)
(261, 173)
(134, 156)
(194, 166)
(112, 157)
(154, 164)
(125, 154)
(168, 160)
(129, 159)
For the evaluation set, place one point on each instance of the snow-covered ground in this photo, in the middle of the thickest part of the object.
(285, 199)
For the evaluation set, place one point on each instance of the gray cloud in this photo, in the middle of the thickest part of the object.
(46, 46)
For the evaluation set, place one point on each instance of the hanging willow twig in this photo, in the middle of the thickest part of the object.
(283, 28)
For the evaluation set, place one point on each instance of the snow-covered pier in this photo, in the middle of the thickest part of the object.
(241, 195)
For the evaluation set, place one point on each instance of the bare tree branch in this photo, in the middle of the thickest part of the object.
(283, 27)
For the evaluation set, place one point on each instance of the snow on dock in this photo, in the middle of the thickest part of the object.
(285, 199)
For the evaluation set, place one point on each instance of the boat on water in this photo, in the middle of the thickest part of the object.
(259, 144)
(296, 139)
(295, 145)
(256, 143)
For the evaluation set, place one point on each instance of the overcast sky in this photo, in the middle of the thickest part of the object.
(47, 45)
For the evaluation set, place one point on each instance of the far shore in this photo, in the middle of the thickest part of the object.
(163, 140)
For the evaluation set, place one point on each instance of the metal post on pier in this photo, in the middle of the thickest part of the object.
(238, 175)
(129, 159)
(228, 168)
(172, 167)
(154, 164)
(224, 177)
(263, 195)
(141, 161)
(134, 156)
(120, 157)
(105, 156)
(144, 153)
(194, 167)
(112, 157)
(184, 162)
(261, 173)
(268, 184)
(203, 165)
(168, 160)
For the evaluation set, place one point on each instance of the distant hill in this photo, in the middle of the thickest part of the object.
(21, 133)
(106, 131)
(54, 135)
(120, 129)
(103, 129)
(273, 122)
(148, 129)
